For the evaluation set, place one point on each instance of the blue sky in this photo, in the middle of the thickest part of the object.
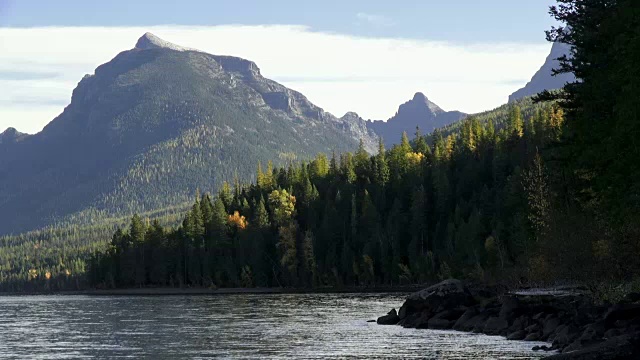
(362, 56)
(451, 20)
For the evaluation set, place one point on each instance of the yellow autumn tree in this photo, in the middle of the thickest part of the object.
(238, 221)
(414, 159)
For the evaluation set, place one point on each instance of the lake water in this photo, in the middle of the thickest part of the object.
(308, 326)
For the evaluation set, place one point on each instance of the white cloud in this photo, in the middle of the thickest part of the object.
(39, 67)
(375, 20)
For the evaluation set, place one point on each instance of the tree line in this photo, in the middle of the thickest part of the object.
(464, 204)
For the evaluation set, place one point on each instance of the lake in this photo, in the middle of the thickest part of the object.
(275, 326)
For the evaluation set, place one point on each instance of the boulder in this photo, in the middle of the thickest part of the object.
(495, 326)
(533, 337)
(510, 308)
(446, 295)
(624, 347)
(518, 335)
(532, 328)
(565, 336)
(624, 312)
(480, 323)
(549, 327)
(461, 323)
(422, 322)
(390, 319)
(519, 323)
(611, 333)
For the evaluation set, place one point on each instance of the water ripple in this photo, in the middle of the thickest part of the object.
(310, 326)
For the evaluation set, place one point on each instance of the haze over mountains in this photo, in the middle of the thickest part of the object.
(159, 121)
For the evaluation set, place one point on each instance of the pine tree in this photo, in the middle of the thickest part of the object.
(137, 230)
(420, 143)
(516, 125)
(382, 168)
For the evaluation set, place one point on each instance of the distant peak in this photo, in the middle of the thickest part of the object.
(419, 97)
(150, 41)
(418, 106)
(350, 114)
(10, 135)
(10, 130)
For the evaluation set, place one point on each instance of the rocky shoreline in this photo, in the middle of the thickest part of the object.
(574, 326)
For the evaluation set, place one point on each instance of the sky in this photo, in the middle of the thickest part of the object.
(363, 56)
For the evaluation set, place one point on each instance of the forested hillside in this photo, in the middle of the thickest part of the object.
(549, 196)
(468, 205)
(542, 190)
(54, 248)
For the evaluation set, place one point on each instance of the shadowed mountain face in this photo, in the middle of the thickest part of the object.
(417, 112)
(11, 135)
(153, 125)
(543, 78)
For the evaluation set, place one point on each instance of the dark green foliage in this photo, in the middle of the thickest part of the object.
(516, 193)
(402, 215)
(602, 108)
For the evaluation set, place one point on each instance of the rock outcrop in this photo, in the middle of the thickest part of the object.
(568, 319)
(544, 79)
(11, 135)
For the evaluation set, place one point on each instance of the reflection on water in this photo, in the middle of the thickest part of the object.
(309, 326)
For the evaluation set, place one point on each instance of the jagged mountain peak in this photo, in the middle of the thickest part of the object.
(351, 115)
(9, 131)
(151, 41)
(11, 135)
(543, 79)
(420, 102)
(420, 97)
(417, 112)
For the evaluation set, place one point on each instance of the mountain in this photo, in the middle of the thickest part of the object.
(11, 135)
(150, 127)
(543, 78)
(418, 111)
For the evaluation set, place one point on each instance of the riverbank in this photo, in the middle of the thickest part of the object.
(149, 291)
(573, 325)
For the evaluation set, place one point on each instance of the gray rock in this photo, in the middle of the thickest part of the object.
(461, 323)
(532, 337)
(519, 324)
(624, 347)
(518, 335)
(550, 327)
(611, 333)
(565, 336)
(495, 326)
(621, 312)
(532, 328)
(390, 319)
(449, 295)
